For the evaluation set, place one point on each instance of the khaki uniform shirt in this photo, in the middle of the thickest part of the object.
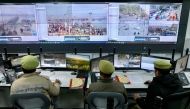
(35, 83)
(107, 85)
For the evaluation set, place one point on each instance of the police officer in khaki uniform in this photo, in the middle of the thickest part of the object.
(33, 82)
(106, 84)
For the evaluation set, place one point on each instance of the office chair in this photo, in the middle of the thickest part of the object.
(32, 101)
(106, 100)
(174, 101)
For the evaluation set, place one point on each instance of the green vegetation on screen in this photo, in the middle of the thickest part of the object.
(79, 64)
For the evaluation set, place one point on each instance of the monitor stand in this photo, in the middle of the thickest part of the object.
(74, 72)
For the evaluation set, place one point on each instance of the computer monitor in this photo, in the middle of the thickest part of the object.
(2, 68)
(9, 56)
(15, 61)
(95, 62)
(181, 64)
(78, 62)
(53, 60)
(147, 61)
(127, 60)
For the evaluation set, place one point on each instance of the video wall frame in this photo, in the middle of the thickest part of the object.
(47, 23)
(108, 46)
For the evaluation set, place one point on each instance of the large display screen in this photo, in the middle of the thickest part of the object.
(73, 22)
(89, 23)
(144, 22)
(18, 23)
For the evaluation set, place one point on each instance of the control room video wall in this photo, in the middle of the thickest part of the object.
(89, 23)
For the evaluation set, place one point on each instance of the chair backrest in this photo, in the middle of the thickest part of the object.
(99, 100)
(176, 101)
(30, 101)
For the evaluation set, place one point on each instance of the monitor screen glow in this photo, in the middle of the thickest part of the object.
(127, 60)
(181, 64)
(78, 62)
(95, 62)
(53, 60)
(15, 61)
(90, 23)
(147, 62)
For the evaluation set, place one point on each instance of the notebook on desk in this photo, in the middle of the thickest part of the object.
(122, 78)
(76, 83)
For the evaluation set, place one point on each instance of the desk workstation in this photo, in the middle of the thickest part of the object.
(137, 72)
(67, 97)
(70, 39)
(139, 77)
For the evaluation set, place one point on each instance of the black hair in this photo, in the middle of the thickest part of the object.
(106, 75)
(28, 71)
(163, 71)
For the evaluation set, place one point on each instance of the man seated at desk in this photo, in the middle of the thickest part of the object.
(32, 82)
(163, 84)
(106, 84)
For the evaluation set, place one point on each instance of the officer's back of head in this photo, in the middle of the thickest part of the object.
(162, 67)
(29, 63)
(106, 69)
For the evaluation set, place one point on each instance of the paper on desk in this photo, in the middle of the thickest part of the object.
(61, 78)
(135, 78)
(47, 73)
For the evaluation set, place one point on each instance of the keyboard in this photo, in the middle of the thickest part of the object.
(99, 78)
(141, 93)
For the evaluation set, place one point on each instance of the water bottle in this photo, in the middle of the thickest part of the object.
(3, 80)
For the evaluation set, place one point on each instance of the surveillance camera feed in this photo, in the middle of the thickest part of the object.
(15, 61)
(78, 62)
(181, 64)
(145, 22)
(88, 22)
(95, 62)
(53, 60)
(75, 22)
(147, 62)
(127, 60)
(18, 23)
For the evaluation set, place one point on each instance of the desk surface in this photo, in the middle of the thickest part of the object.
(144, 75)
(63, 76)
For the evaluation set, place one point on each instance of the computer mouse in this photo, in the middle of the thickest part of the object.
(146, 82)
